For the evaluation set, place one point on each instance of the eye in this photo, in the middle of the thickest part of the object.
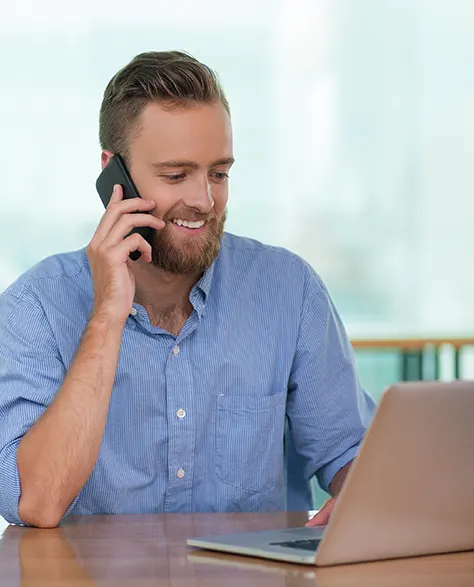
(220, 176)
(175, 177)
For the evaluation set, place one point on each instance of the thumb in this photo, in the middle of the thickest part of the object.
(322, 517)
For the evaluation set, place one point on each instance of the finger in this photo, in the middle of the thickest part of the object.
(117, 194)
(126, 223)
(115, 210)
(134, 242)
(322, 517)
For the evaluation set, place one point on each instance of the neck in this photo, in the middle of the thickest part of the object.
(159, 291)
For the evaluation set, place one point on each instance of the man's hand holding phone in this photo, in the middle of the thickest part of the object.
(109, 250)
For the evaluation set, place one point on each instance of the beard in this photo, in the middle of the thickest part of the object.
(194, 255)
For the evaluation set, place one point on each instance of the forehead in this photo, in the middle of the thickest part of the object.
(200, 132)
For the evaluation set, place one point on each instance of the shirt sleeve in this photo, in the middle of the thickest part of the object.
(328, 411)
(31, 372)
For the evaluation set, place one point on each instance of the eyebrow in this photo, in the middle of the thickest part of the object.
(192, 164)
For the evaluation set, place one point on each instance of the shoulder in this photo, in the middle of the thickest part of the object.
(272, 265)
(55, 276)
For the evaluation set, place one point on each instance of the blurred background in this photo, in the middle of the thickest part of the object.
(353, 123)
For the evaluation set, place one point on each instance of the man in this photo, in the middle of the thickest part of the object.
(163, 385)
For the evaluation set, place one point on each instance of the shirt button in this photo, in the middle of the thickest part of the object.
(181, 413)
(176, 350)
(180, 473)
(133, 311)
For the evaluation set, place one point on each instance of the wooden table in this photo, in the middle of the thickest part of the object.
(146, 550)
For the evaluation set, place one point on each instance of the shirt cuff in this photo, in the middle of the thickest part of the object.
(10, 490)
(326, 474)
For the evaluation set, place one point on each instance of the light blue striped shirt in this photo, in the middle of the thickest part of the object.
(196, 422)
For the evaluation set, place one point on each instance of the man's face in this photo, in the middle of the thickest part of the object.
(180, 159)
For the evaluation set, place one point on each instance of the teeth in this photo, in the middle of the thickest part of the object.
(188, 224)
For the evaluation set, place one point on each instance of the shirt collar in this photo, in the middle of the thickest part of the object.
(200, 291)
(204, 284)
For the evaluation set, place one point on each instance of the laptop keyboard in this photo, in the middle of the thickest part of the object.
(311, 544)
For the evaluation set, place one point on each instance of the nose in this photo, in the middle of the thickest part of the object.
(199, 195)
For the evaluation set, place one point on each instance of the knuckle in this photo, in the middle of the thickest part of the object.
(93, 248)
(115, 205)
(131, 219)
(136, 238)
(123, 222)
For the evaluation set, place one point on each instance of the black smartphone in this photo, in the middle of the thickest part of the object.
(115, 172)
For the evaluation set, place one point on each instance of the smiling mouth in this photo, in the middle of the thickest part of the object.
(192, 225)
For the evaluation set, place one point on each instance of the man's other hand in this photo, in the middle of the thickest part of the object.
(322, 517)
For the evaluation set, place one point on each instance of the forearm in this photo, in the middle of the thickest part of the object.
(339, 479)
(57, 455)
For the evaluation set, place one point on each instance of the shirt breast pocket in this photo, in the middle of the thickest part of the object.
(249, 440)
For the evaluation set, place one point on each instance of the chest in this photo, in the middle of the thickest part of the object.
(201, 359)
(172, 321)
(235, 344)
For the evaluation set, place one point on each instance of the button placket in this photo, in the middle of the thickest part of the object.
(181, 445)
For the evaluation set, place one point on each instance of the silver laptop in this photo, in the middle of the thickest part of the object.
(409, 492)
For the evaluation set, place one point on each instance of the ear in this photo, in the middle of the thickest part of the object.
(105, 157)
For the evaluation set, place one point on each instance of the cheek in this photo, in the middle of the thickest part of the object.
(220, 196)
(166, 197)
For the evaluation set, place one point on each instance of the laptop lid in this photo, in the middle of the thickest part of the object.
(411, 489)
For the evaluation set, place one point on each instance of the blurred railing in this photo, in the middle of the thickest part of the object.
(419, 357)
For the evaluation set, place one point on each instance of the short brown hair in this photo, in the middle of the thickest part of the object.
(173, 78)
